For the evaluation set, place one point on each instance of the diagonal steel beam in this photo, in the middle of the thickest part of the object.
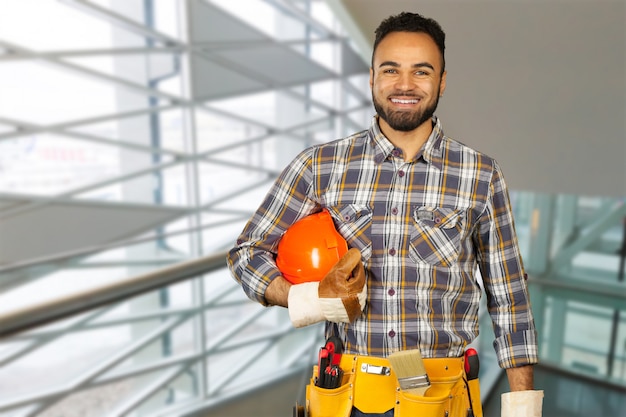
(166, 49)
(606, 216)
(121, 21)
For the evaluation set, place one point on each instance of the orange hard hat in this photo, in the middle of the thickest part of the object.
(310, 248)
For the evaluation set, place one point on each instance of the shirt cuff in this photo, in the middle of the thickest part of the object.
(517, 349)
(255, 290)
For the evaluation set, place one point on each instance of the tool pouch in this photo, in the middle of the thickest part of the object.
(447, 395)
(370, 385)
(323, 402)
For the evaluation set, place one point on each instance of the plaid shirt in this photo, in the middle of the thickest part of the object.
(422, 227)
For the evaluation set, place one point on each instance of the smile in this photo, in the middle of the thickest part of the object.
(404, 101)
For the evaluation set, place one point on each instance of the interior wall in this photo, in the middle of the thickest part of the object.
(539, 85)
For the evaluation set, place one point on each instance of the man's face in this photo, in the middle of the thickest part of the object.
(406, 80)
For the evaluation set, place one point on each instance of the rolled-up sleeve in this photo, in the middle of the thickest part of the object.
(502, 270)
(252, 259)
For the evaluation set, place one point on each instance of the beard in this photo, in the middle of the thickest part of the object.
(406, 121)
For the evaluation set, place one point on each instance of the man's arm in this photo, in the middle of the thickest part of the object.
(521, 378)
(522, 400)
(502, 270)
(252, 260)
(277, 292)
(339, 297)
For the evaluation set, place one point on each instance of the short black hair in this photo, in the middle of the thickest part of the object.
(412, 22)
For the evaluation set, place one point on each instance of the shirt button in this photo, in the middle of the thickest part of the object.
(391, 333)
(392, 252)
(397, 153)
(394, 211)
(391, 292)
(401, 173)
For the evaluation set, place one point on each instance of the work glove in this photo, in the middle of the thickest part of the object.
(339, 297)
(521, 403)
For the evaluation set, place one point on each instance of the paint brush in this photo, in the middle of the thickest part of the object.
(410, 371)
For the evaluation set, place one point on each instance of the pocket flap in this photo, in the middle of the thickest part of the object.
(441, 217)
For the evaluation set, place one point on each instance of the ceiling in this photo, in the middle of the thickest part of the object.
(539, 85)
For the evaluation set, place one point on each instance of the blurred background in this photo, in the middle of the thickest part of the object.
(138, 136)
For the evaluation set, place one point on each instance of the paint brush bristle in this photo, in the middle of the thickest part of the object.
(409, 368)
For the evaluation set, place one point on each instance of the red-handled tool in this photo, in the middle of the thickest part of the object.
(473, 388)
(329, 374)
(323, 362)
(471, 364)
(335, 348)
(333, 376)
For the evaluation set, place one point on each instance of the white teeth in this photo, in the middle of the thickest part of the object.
(401, 101)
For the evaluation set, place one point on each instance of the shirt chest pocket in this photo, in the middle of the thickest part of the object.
(436, 237)
(354, 223)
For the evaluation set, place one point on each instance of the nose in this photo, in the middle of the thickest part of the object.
(404, 82)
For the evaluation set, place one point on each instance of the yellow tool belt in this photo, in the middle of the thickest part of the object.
(369, 384)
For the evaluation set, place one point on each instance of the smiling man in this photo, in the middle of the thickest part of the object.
(420, 213)
(407, 78)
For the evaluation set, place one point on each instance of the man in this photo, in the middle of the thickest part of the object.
(422, 209)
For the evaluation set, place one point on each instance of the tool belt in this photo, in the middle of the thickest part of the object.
(370, 384)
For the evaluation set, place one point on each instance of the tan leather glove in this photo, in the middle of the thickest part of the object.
(522, 403)
(340, 297)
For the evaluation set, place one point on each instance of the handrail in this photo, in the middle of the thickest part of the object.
(38, 314)
(611, 290)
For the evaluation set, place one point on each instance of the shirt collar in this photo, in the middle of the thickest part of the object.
(431, 151)
(382, 146)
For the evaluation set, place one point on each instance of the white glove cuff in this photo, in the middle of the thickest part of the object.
(334, 310)
(363, 297)
(522, 403)
(303, 304)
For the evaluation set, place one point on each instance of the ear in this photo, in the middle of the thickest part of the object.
(442, 83)
(371, 77)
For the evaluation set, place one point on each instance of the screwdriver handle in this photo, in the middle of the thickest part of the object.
(472, 366)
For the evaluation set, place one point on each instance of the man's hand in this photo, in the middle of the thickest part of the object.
(340, 297)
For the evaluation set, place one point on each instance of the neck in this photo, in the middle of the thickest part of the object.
(410, 142)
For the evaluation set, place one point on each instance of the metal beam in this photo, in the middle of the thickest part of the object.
(605, 217)
(34, 315)
(604, 294)
(122, 21)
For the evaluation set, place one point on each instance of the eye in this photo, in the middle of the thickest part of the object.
(390, 71)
